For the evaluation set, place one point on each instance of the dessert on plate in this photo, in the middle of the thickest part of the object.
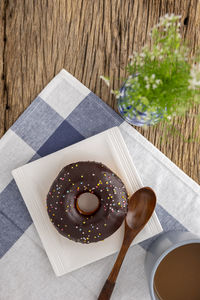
(87, 202)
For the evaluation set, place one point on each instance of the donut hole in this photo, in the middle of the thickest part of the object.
(87, 203)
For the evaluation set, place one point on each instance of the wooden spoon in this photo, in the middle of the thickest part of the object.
(140, 208)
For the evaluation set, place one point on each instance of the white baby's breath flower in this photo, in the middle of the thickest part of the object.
(153, 76)
(152, 57)
(167, 20)
(158, 81)
(154, 86)
(106, 80)
(127, 84)
(147, 86)
(171, 17)
(146, 78)
(195, 76)
(194, 84)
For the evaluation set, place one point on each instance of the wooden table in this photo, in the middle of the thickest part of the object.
(89, 38)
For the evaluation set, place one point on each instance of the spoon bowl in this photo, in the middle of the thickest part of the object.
(140, 208)
(141, 205)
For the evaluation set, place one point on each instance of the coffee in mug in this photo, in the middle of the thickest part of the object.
(178, 274)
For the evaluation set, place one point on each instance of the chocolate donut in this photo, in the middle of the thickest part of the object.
(65, 213)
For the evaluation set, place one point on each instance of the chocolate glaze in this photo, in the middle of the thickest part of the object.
(82, 177)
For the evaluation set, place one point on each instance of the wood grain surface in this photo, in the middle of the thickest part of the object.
(89, 38)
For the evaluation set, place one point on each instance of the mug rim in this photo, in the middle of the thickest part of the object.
(162, 256)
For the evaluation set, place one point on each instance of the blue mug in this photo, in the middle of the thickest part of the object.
(163, 245)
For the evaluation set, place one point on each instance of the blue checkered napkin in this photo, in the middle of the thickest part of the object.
(64, 113)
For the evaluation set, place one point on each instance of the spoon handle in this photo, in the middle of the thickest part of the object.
(109, 285)
(107, 290)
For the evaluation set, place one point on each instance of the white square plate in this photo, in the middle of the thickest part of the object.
(34, 180)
